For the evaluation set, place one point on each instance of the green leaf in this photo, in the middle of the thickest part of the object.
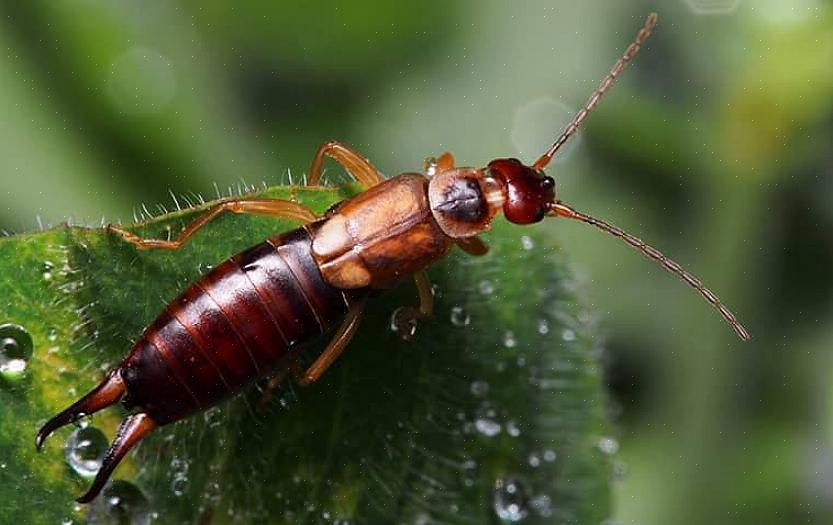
(494, 411)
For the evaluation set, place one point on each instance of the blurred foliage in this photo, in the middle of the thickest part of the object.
(714, 147)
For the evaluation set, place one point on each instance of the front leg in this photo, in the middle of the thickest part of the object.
(405, 318)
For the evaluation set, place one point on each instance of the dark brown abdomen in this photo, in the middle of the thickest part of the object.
(236, 324)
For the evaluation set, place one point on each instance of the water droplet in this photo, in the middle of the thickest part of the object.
(479, 388)
(608, 445)
(543, 327)
(487, 427)
(52, 335)
(46, 270)
(401, 324)
(549, 455)
(213, 417)
(527, 243)
(15, 350)
(85, 449)
(459, 317)
(512, 429)
(509, 500)
(436, 291)
(509, 340)
(120, 502)
(534, 460)
(486, 287)
(67, 521)
(542, 505)
(568, 335)
(179, 485)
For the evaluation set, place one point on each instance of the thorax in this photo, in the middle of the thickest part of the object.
(379, 236)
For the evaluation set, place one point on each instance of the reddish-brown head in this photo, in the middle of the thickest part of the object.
(529, 192)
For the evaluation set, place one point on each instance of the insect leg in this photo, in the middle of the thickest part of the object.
(275, 382)
(132, 429)
(351, 160)
(339, 342)
(271, 207)
(472, 245)
(405, 318)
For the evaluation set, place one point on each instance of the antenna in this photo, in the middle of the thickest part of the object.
(603, 88)
(562, 210)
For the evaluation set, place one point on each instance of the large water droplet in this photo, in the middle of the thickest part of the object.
(85, 450)
(486, 287)
(509, 500)
(543, 327)
(15, 350)
(509, 340)
(120, 503)
(527, 243)
(459, 317)
(487, 427)
(568, 335)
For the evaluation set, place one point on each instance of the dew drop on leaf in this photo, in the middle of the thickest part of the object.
(85, 449)
(509, 500)
(459, 317)
(15, 350)
(46, 270)
(120, 503)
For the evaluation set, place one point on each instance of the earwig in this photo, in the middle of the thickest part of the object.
(246, 318)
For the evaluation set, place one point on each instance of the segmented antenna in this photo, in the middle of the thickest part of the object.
(594, 99)
(562, 210)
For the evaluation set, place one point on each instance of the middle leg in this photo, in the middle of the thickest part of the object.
(405, 318)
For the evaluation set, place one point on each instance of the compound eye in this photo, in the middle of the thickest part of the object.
(548, 183)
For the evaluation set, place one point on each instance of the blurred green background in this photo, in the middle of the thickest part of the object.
(714, 147)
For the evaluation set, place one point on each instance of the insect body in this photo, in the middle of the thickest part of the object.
(246, 318)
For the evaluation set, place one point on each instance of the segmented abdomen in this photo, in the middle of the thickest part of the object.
(237, 323)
